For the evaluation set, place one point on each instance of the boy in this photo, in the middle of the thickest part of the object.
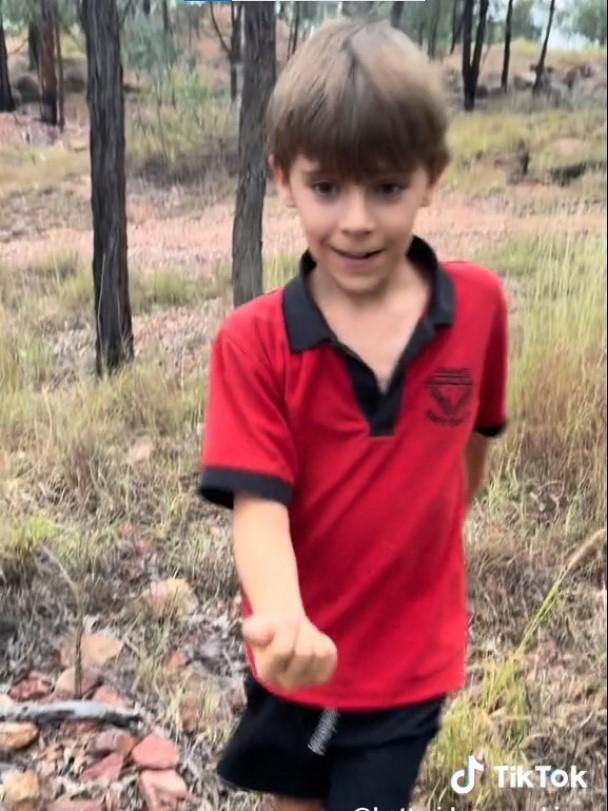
(346, 427)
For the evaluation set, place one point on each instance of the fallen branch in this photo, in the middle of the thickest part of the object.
(37, 713)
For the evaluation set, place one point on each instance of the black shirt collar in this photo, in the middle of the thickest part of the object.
(304, 321)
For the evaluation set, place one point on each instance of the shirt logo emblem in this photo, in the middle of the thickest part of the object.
(451, 390)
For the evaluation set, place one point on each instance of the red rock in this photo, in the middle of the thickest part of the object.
(22, 791)
(176, 661)
(190, 712)
(14, 736)
(141, 450)
(107, 695)
(30, 690)
(162, 790)
(155, 753)
(107, 770)
(113, 740)
(65, 804)
(96, 650)
(65, 686)
(171, 595)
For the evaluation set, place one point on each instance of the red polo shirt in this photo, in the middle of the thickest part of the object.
(373, 481)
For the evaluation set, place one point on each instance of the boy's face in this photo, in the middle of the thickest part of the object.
(358, 232)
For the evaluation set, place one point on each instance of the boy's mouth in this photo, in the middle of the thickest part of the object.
(359, 255)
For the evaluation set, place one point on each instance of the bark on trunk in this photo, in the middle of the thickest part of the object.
(432, 49)
(46, 64)
(506, 59)
(457, 19)
(33, 45)
(258, 80)
(235, 48)
(294, 29)
(166, 18)
(540, 68)
(107, 141)
(470, 64)
(396, 12)
(7, 102)
(60, 86)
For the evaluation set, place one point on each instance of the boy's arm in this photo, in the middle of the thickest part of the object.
(264, 556)
(289, 651)
(249, 463)
(475, 464)
(491, 416)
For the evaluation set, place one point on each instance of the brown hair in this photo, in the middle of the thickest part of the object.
(360, 98)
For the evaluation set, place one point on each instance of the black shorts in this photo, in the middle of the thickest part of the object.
(347, 760)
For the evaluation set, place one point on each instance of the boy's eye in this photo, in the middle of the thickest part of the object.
(389, 189)
(325, 188)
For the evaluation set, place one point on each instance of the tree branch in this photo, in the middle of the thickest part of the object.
(217, 30)
(34, 712)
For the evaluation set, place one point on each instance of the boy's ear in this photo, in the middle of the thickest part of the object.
(432, 185)
(281, 181)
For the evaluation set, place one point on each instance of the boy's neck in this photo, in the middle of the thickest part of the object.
(326, 293)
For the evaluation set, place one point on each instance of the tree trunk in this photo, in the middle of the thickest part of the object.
(166, 18)
(421, 28)
(504, 80)
(540, 68)
(7, 102)
(470, 65)
(358, 8)
(33, 45)
(294, 30)
(457, 24)
(46, 64)
(105, 96)
(432, 45)
(146, 7)
(396, 13)
(235, 48)
(59, 70)
(258, 80)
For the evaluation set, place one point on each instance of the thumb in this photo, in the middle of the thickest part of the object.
(258, 630)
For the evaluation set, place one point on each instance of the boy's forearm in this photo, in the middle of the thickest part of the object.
(475, 465)
(264, 556)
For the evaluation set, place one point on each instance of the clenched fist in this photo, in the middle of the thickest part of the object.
(290, 652)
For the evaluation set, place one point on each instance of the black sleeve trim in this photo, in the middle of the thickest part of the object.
(219, 484)
(492, 430)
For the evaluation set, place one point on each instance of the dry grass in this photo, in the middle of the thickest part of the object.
(485, 146)
(557, 394)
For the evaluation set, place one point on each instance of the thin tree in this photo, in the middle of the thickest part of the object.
(105, 96)
(396, 13)
(47, 74)
(472, 60)
(60, 82)
(7, 102)
(166, 18)
(232, 49)
(33, 40)
(504, 79)
(294, 29)
(434, 29)
(259, 72)
(456, 27)
(540, 68)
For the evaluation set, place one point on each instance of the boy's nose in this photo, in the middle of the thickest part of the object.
(356, 217)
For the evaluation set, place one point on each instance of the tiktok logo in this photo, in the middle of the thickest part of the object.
(463, 780)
